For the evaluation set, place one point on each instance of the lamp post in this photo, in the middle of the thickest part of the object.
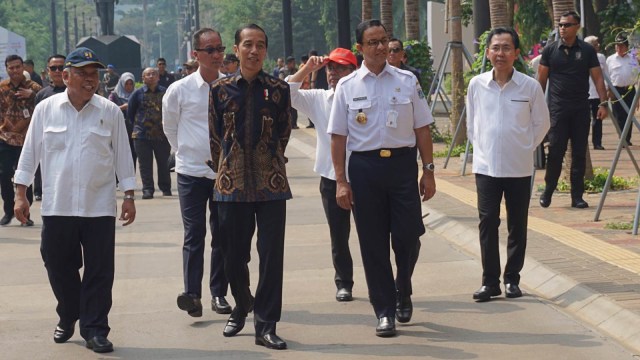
(158, 24)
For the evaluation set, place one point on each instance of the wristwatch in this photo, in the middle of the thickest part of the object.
(129, 197)
(428, 166)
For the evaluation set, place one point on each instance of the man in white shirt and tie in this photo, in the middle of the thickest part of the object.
(185, 120)
(507, 118)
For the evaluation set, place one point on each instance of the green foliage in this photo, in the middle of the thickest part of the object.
(614, 18)
(456, 151)
(596, 185)
(621, 225)
(533, 23)
(419, 55)
(467, 12)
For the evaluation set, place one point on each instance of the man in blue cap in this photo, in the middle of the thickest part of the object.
(83, 136)
(111, 79)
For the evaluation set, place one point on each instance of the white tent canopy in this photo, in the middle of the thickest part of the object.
(10, 43)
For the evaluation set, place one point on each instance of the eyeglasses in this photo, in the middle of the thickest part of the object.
(566, 25)
(56, 68)
(162, 64)
(211, 50)
(395, 50)
(375, 43)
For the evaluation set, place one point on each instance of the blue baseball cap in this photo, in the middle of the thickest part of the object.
(82, 56)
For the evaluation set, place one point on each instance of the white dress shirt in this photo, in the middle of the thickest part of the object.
(621, 70)
(80, 153)
(185, 119)
(316, 103)
(505, 124)
(593, 92)
(394, 94)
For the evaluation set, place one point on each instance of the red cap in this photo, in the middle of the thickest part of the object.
(343, 57)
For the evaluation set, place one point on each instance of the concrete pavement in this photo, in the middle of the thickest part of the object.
(146, 323)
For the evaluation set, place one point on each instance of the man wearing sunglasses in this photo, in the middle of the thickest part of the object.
(186, 124)
(317, 104)
(567, 64)
(166, 78)
(55, 65)
(397, 55)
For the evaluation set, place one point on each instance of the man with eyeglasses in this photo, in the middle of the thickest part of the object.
(507, 105)
(317, 104)
(567, 64)
(55, 65)
(397, 55)
(230, 63)
(81, 141)
(166, 78)
(17, 101)
(622, 67)
(186, 124)
(380, 114)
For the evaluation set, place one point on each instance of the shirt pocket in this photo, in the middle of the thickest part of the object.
(55, 138)
(404, 107)
(99, 141)
(357, 107)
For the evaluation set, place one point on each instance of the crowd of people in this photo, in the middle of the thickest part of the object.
(228, 123)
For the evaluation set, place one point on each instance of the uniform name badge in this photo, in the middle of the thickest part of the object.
(392, 119)
(25, 113)
(361, 117)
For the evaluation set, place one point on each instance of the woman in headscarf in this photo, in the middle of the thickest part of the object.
(120, 96)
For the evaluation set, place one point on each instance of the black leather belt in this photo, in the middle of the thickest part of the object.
(384, 153)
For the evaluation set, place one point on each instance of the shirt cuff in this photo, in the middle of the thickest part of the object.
(127, 184)
(23, 178)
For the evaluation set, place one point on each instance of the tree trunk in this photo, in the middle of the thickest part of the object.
(367, 7)
(499, 13)
(549, 5)
(412, 19)
(386, 16)
(560, 7)
(591, 20)
(457, 80)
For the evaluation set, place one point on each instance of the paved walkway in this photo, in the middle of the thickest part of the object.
(447, 324)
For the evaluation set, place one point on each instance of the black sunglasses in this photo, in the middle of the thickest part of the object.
(56, 68)
(395, 50)
(211, 50)
(566, 25)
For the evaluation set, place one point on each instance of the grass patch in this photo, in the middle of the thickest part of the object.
(619, 225)
(457, 150)
(597, 184)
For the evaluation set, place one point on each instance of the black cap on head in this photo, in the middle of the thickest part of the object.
(621, 38)
(82, 56)
(290, 58)
(231, 57)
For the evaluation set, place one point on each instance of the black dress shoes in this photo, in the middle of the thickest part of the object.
(512, 291)
(234, 325)
(191, 304)
(386, 327)
(63, 333)
(167, 193)
(271, 341)
(545, 200)
(486, 292)
(344, 295)
(404, 309)
(100, 344)
(147, 195)
(220, 305)
(6, 220)
(579, 204)
(598, 147)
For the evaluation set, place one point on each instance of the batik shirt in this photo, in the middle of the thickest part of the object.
(145, 113)
(249, 127)
(15, 114)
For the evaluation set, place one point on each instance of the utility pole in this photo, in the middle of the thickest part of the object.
(196, 10)
(287, 27)
(54, 29)
(344, 36)
(66, 28)
(84, 27)
(75, 24)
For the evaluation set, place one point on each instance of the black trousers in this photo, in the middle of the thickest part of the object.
(9, 156)
(571, 122)
(67, 243)
(517, 192)
(387, 207)
(339, 221)
(619, 113)
(238, 222)
(194, 194)
(145, 150)
(596, 125)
